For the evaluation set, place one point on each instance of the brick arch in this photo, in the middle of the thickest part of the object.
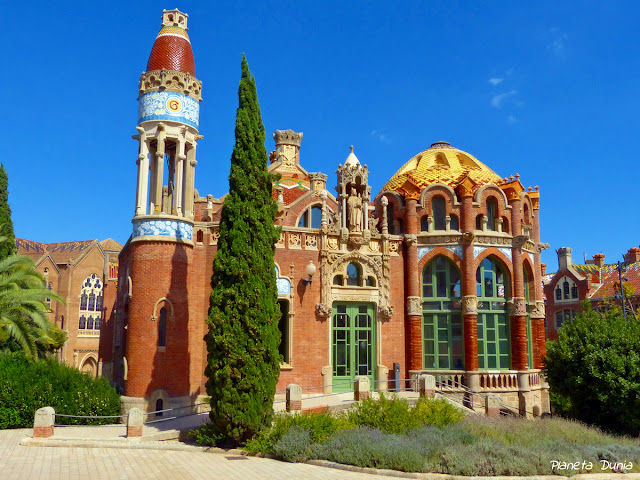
(163, 302)
(439, 251)
(439, 189)
(498, 255)
(487, 191)
(90, 360)
(303, 208)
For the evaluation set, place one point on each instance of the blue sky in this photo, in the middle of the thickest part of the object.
(546, 89)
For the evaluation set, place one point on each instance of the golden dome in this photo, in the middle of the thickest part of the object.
(441, 163)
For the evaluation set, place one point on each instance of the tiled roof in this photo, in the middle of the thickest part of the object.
(61, 252)
(292, 189)
(442, 163)
(610, 277)
(111, 245)
(172, 51)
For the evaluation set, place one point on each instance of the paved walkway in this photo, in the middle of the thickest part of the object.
(41, 463)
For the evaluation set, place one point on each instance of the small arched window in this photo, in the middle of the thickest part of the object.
(371, 282)
(90, 323)
(492, 214)
(311, 218)
(565, 289)
(200, 236)
(82, 324)
(354, 275)
(479, 219)
(439, 208)
(454, 224)
(424, 224)
(159, 407)
(527, 216)
(337, 280)
(558, 293)
(574, 291)
(162, 327)
(390, 216)
(505, 224)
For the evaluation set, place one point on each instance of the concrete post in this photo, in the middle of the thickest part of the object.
(427, 386)
(294, 397)
(492, 405)
(43, 422)
(361, 388)
(382, 384)
(135, 420)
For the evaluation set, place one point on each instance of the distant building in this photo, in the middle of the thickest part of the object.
(438, 273)
(594, 281)
(85, 274)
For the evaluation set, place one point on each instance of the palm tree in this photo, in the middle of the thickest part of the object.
(23, 305)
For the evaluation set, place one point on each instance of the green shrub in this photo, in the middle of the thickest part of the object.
(395, 415)
(593, 369)
(26, 386)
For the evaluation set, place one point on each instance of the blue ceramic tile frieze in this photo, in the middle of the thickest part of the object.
(163, 228)
(168, 106)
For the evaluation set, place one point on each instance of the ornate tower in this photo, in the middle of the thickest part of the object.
(161, 246)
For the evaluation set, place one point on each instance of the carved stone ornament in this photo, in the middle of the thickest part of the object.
(414, 306)
(287, 137)
(410, 239)
(519, 307)
(470, 305)
(323, 310)
(467, 237)
(538, 310)
(172, 81)
(386, 312)
(373, 223)
(344, 235)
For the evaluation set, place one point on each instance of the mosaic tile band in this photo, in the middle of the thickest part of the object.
(168, 106)
(163, 228)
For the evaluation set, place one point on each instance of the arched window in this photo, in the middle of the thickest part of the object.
(91, 302)
(162, 328)
(565, 289)
(390, 216)
(311, 218)
(493, 326)
(443, 343)
(492, 214)
(371, 281)
(200, 236)
(527, 217)
(337, 280)
(439, 208)
(454, 224)
(479, 219)
(159, 407)
(526, 280)
(354, 275)
(424, 224)
(82, 324)
(505, 224)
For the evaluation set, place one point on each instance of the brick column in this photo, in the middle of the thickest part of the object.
(519, 309)
(537, 317)
(469, 298)
(414, 299)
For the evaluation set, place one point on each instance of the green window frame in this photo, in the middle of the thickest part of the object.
(494, 346)
(525, 277)
(353, 343)
(442, 331)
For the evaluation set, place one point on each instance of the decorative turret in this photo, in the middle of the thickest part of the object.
(168, 121)
(354, 194)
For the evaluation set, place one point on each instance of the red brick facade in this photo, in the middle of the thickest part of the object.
(443, 213)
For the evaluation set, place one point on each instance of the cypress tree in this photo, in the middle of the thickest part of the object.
(242, 343)
(6, 225)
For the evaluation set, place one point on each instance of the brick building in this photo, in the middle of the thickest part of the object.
(438, 273)
(85, 274)
(594, 281)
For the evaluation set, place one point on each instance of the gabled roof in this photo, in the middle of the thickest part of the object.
(62, 252)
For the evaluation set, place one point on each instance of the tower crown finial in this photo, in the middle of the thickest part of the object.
(174, 18)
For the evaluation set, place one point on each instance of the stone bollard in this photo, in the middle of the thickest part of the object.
(492, 405)
(361, 388)
(43, 422)
(294, 398)
(135, 420)
(427, 386)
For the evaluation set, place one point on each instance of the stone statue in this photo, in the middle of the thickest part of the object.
(355, 211)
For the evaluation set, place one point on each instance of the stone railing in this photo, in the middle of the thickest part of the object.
(534, 378)
(498, 382)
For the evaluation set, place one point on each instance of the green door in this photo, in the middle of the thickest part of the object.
(353, 344)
